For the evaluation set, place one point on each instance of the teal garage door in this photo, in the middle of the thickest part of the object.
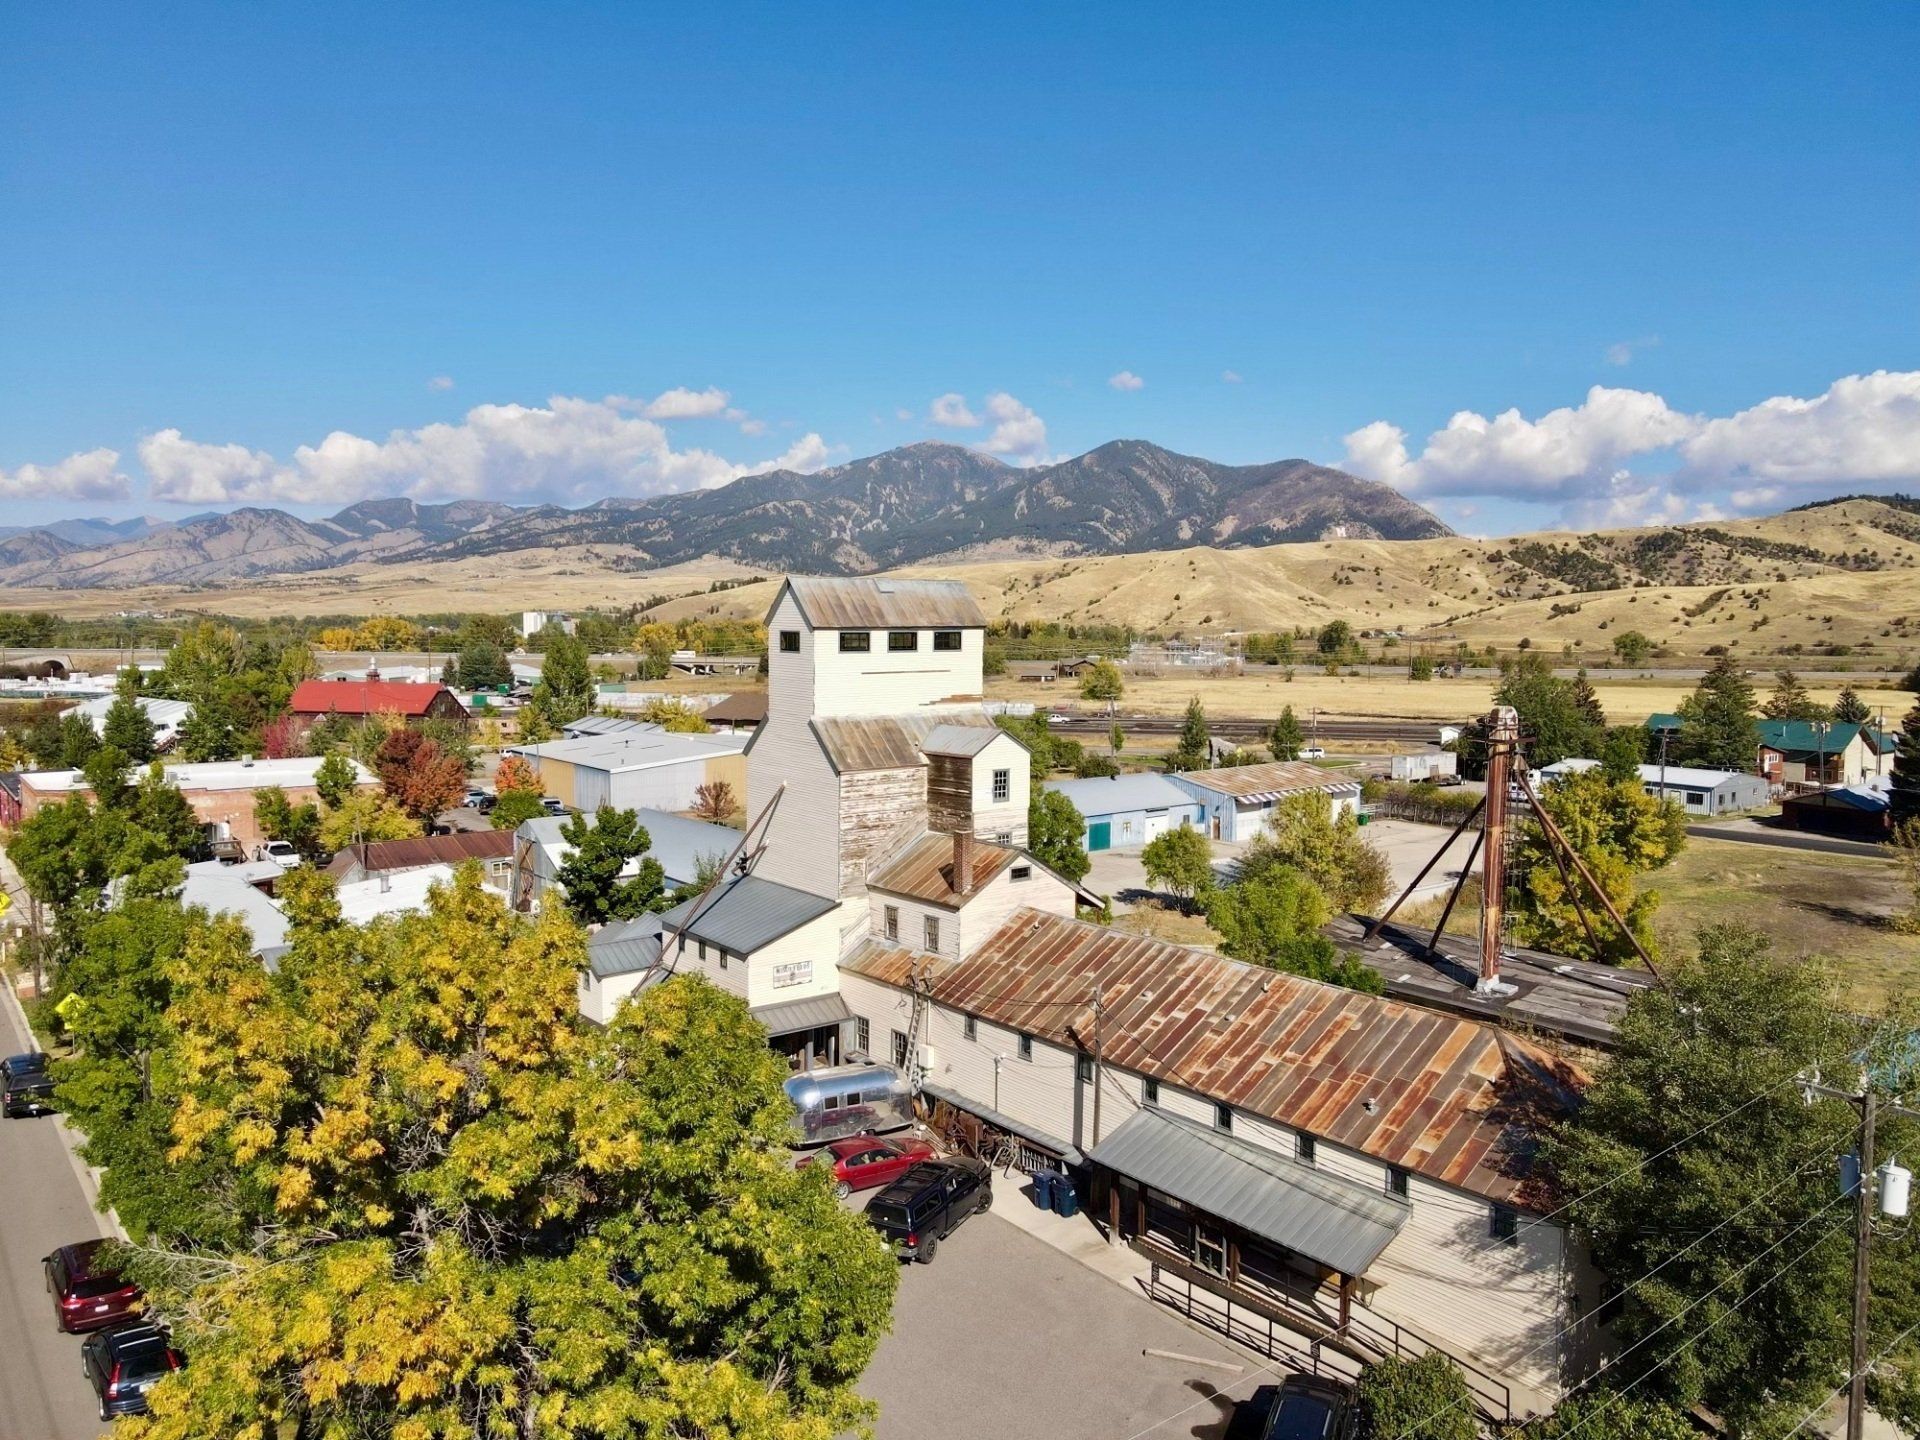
(1099, 834)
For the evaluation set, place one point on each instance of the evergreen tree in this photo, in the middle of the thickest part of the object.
(1904, 788)
(78, 740)
(211, 732)
(1588, 700)
(1286, 738)
(1716, 721)
(1850, 709)
(1116, 738)
(1790, 700)
(127, 727)
(483, 665)
(1190, 751)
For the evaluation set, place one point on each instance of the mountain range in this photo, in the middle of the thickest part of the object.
(914, 505)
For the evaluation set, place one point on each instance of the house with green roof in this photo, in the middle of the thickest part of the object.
(1802, 753)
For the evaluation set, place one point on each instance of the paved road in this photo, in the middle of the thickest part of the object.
(1749, 833)
(42, 1204)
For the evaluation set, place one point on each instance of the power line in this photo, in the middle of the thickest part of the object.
(1844, 1386)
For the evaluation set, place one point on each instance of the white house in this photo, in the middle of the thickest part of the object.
(1237, 800)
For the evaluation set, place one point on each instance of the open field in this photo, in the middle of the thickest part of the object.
(1261, 691)
(1833, 908)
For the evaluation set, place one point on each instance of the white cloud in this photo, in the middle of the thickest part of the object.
(88, 475)
(1126, 380)
(1018, 433)
(1565, 453)
(568, 450)
(1621, 352)
(1232, 377)
(753, 426)
(951, 410)
(900, 412)
(440, 382)
(1864, 429)
(681, 403)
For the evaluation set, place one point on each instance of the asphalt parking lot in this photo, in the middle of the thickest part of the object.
(1004, 1336)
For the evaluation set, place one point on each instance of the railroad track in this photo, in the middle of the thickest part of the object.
(1405, 731)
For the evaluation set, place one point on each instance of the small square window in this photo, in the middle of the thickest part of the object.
(932, 932)
(1223, 1117)
(946, 639)
(970, 1028)
(1303, 1147)
(1504, 1224)
(899, 640)
(891, 919)
(1151, 1091)
(1022, 872)
(855, 642)
(1396, 1181)
(1026, 1047)
(1002, 786)
(862, 1035)
(790, 642)
(830, 1102)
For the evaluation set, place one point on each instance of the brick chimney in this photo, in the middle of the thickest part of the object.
(963, 862)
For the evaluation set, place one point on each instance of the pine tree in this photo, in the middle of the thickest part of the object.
(1850, 709)
(1190, 752)
(1716, 721)
(128, 728)
(1286, 737)
(1790, 700)
(1904, 792)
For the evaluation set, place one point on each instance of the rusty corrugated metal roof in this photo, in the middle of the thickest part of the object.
(1449, 1098)
(743, 707)
(880, 603)
(924, 870)
(1278, 778)
(887, 742)
(377, 855)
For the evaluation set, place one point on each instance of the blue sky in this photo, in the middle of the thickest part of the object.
(516, 251)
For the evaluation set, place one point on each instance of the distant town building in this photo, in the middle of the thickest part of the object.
(1237, 802)
(317, 699)
(1124, 812)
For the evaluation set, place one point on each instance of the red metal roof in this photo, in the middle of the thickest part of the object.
(363, 697)
(377, 855)
(1449, 1098)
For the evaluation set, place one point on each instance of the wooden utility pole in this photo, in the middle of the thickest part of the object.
(1503, 744)
(1099, 1075)
(1862, 1240)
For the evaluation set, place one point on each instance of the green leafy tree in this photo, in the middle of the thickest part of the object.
(1716, 721)
(280, 819)
(334, 779)
(1274, 919)
(1179, 860)
(1286, 739)
(106, 775)
(1335, 639)
(464, 1213)
(482, 665)
(127, 727)
(1102, 681)
(1632, 647)
(1056, 832)
(1304, 834)
(564, 691)
(1696, 1169)
(514, 807)
(1116, 738)
(362, 817)
(1190, 751)
(675, 716)
(1609, 1415)
(1903, 785)
(593, 877)
(1558, 718)
(1850, 709)
(1623, 751)
(1423, 1399)
(1420, 667)
(77, 739)
(1789, 700)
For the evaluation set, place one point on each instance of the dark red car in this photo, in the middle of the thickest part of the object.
(88, 1294)
(862, 1162)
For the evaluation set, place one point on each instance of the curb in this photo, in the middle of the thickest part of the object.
(70, 1138)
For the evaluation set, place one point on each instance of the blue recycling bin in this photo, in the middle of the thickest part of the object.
(1066, 1198)
(1043, 1189)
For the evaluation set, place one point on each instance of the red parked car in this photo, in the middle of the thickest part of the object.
(87, 1293)
(862, 1162)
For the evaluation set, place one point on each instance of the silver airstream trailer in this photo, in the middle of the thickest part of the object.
(848, 1100)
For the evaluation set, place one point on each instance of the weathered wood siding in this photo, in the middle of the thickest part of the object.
(949, 793)
(876, 807)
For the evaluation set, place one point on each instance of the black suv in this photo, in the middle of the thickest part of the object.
(26, 1086)
(1308, 1408)
(123, 1363)
(926, 1204)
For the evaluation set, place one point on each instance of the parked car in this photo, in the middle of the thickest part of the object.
(865, 1161)
(552, 806)
(280, 852)
(125, 1362)
(1060, 717)
(88, 1293)
(26, 1085)
(925, 1205)
(478, 799)
(1309, 1408)
(1313, 752)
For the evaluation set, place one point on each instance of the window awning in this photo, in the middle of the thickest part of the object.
(1007, 1123)
(788, 1016)
(1335, 1222)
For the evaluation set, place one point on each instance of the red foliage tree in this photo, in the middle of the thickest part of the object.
(418, 776)
(514, 773)
(283, 738)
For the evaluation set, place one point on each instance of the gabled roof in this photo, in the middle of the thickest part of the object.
(1269, 782)
(1797, 737)
(924, 870)
(963, 739)
(632, 749)
(626, 947)
(893, 742)
(364, 697)
(1842, 797)
(1109, 794)
(747, 914)
(879, 603)
(462, 845)
(743, 707)
(1451, 1098)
